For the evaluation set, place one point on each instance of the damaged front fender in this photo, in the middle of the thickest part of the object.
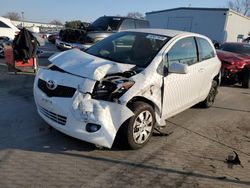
(109, 115)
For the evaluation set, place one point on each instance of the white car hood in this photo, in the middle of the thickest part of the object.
(85, 65)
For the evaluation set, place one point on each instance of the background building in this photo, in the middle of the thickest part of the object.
(220, 24)
(37, 25)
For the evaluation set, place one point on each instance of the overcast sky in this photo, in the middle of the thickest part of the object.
(65, 10)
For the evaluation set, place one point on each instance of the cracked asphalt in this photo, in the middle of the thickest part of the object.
(34, 155)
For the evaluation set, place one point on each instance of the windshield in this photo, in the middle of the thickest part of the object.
(129, 47)
(243, 49)
(106, 23)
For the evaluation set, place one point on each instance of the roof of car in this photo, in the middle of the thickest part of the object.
(165, 32)
(236, 43)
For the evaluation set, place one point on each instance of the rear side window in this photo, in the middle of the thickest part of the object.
(184, 51)
(141, 24)
(127, 24)
(3, 25)
(206, 51)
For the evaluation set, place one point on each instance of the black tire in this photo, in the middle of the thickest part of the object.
(9, 67)
(129, 131)
(209, 101)
(245, 78)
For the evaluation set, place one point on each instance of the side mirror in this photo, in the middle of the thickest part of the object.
(178, 68)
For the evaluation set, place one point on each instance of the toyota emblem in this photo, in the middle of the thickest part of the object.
(51, 85)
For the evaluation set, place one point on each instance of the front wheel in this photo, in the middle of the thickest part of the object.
(137, 131)
(209, 101)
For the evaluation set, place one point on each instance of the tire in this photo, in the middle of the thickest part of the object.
(134, 133)
(245, 78)
(209, 101)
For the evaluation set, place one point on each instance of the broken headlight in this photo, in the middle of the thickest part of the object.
(111, 88)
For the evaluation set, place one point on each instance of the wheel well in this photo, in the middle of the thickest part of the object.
(217, 78)
(143, 99)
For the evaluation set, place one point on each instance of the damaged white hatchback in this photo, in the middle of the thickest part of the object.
(129, 83)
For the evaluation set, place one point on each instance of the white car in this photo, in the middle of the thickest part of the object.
(129, 82)
(7, 29)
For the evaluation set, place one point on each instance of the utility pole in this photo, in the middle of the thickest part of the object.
(22, 19)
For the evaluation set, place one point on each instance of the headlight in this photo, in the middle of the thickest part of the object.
(111, 88)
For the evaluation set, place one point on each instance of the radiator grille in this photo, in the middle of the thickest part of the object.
(62, 120)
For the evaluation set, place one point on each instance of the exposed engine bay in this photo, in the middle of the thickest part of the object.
(113, 86)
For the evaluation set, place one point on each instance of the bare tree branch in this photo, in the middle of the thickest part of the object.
(13, 16)
(241, 6)
(135, 15)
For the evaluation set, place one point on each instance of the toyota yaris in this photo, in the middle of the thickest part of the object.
(129, 83)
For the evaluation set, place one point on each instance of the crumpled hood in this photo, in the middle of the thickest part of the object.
(86, 65)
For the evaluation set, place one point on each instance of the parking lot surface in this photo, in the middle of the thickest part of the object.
(193, 155)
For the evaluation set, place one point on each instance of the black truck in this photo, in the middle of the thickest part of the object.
(98, 30)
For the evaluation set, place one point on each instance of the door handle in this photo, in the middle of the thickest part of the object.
(201, 70)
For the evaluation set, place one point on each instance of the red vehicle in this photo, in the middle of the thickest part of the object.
(235, 58)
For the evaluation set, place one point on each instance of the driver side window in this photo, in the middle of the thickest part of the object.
(184, 51)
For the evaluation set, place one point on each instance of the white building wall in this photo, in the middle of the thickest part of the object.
(237, 24)
(207, 22)
(34, 24)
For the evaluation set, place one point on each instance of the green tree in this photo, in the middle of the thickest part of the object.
(75, 24)
(56, 22)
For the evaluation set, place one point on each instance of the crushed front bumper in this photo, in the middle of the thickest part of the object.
(71, 115)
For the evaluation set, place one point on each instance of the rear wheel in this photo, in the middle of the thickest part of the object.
(245, 78)
(137, 131)
(209, 101)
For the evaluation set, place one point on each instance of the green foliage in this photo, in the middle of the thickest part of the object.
(56, 22)
(75, 24)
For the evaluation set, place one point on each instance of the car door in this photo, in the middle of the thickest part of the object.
(208, 64)
(182, 90)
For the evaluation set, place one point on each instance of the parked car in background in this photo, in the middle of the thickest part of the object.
(98, 30)
(40, 38)
(235, 58)
(247, 40)
(3, 42)
(7, 29)
(53, 37)
(216, 44)
(130, 81)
